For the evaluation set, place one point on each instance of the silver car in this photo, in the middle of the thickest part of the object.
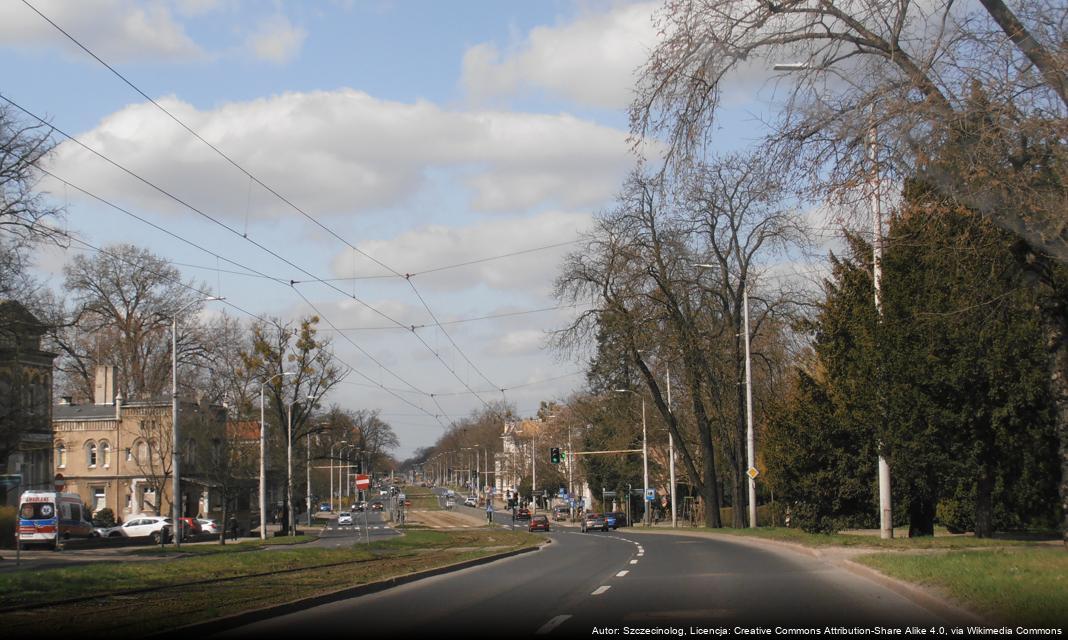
(344, 518)
(155, 527)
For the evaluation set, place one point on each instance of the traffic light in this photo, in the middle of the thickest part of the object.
(554, 455)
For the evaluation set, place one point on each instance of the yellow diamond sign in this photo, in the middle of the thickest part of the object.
(752, 473)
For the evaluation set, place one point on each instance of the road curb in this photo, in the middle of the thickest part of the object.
(916, 594)
(218, 625)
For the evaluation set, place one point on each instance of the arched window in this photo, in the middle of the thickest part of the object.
(61, 455)
(105, 454)
(142, 452)
(90, 454)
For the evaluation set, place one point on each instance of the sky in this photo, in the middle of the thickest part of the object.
(383, 164)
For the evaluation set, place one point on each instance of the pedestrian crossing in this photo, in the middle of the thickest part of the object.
(356, 528)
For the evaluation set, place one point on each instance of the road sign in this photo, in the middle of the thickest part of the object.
(752, 473)
(608, 494)
(363, 483)
(401, 496)
(60, 482)
(650, 495)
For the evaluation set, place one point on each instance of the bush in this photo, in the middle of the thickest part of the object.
(104, 518)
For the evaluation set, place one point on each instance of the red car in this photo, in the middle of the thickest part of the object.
(189, 528)
(539, 523)
(522, 514)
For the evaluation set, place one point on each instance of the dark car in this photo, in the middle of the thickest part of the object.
(522, 514)
(539, 523)
(376, 506)
(189, 528)
(592, 521)
(616, 519)
(561, 513)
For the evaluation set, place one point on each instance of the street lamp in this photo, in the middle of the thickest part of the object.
(176, 497)
(289, 467)
(886, 525)
(645, 459)
(332, 478)
(263, 456)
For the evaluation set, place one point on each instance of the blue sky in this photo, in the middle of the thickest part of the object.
(425, 133)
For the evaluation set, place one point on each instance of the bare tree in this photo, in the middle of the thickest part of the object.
(23, 211)
(124, 300)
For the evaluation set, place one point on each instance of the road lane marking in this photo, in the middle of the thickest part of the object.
(599, 590)
(552, 624)
(634, 562)
(641, 554)
(622, 573)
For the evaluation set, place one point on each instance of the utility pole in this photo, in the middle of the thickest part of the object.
(749, 440)
(886, 521)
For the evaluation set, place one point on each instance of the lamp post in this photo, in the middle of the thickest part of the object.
(289, 467)
(886, 524)
(176, 491)
(332, 478)
(263, 456)
(645, 459)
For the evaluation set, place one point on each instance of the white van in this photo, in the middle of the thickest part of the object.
(50, 517)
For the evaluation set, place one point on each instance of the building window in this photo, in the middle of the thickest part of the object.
(129, 454)
(61, 455)
(105, 454)
(100, 499)
(90, 455)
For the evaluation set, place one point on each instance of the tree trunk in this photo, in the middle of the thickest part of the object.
(222, 524)
(710, 490)
(921, 517)
(984, 501)
(1057, 345)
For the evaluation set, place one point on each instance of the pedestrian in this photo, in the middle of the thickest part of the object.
(489, 512)
(233, 528)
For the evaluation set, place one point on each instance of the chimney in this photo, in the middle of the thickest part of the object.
(118, 406)
(104, 389)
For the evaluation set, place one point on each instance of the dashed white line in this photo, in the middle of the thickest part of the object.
(552, 624)
(641, 554)
(622, 573)
(634, 562)
(599, 590)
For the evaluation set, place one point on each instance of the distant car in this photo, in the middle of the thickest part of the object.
(616, 519)
(471, 501)
(539, 523)
(209, 526)
(154, 527)
(561, 513)
(376, 506)
(522, 514)
(359, 506)
(325, 506)
(344, 518)
(449, 503)
(592, 521)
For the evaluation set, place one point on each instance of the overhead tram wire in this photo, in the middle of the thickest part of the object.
(189, 206)
(475, 319)
(230, 304)
(226, 227)
(270, 190)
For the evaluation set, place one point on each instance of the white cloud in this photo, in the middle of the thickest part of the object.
(117, 30)
(591, 60)
(517, 343)
(345, 152)
(437, 246)
(276, 40)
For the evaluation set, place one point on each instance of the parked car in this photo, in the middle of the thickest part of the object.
(155, 527)
(208, 525)
(592, 521)
(616, 519)
(189, 528)
(539, 523)
(561, 513)
(344, 518)
(522, 514)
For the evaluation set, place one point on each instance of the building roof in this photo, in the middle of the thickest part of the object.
(82, 411)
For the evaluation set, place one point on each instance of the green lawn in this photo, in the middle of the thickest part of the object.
(258, 576)
(1023, 585)
(857, 540)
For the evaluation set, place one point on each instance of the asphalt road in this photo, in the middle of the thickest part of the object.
(614, 580)
(347, 535)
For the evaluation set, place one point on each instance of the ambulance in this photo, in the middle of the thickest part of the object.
(50, 517)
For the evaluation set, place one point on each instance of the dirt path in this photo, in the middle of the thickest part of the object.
(444, 519)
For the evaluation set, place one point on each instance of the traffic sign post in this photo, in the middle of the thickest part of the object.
(363, 482)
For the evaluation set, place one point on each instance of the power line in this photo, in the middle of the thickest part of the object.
(269, 189)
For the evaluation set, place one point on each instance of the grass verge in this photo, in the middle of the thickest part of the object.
(1022, 585)
(853, 540)
(422, 498)
(230, 579)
